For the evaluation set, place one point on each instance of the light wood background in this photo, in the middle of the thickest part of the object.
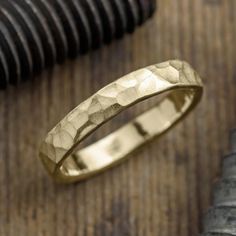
(165, 188)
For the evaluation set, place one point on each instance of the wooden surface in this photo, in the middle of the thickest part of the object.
(165, 188)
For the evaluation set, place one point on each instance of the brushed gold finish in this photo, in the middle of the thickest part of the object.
(59, 150)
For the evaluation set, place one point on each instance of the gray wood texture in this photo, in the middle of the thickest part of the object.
(162, 190)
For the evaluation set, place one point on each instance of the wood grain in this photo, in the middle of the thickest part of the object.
(165, 188)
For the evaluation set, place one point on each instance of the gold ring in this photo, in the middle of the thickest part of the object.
(65, 163)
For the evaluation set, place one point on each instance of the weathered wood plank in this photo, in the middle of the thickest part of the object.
(166, 187)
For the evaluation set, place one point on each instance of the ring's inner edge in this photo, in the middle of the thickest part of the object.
(117, 145)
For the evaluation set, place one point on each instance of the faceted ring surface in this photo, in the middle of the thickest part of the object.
(176, 80)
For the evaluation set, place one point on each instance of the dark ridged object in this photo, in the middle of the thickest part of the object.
(37, 34)
(221, 218)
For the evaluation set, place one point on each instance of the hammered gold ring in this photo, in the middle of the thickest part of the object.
(59, 152)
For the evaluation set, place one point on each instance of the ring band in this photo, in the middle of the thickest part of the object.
(59, 152)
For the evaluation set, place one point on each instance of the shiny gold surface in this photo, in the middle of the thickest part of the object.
(59, 150)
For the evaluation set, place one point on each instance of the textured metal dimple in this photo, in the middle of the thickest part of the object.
(37, 34)
(111, 100)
